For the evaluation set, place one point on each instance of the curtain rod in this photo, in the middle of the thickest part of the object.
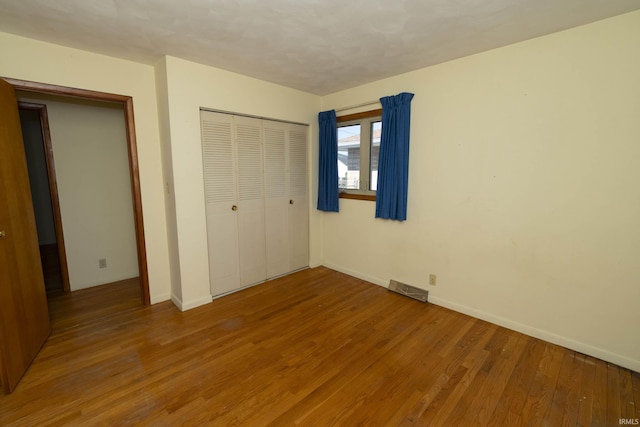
(364, 104)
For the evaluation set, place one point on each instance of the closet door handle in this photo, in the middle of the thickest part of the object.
(290, 202)
(234, 208)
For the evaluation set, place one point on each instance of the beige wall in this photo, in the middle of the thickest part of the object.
(92, 174)
(190, 87)
(33, 60)
(523, 189)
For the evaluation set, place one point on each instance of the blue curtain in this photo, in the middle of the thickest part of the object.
(328, 173)
(393, 161)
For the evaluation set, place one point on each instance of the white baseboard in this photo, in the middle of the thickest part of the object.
(184, 306)
(102, 282)
(541, 334)
(176, 301)
(357, 274)
(510, 324)
(160, 298)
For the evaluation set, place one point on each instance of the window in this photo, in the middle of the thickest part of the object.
(358, 148)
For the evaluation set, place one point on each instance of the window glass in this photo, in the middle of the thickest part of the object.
(376, 132)
(358, 149)
(349, 157)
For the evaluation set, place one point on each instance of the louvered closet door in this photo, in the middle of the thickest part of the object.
(220, 196)
(276, 200)
(298, 195)
(251, 229)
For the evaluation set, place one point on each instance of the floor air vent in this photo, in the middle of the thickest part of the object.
(408, 291)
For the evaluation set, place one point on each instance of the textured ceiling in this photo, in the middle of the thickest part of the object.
(318, 46)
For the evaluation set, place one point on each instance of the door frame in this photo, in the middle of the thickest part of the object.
(41, 109)
(127, 102)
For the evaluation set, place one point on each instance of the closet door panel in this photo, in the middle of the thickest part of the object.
(224, 273)
(276, 200)
(220, 197)
(298, 195)
(251, 207)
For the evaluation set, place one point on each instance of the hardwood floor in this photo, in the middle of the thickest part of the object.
(85, 307)
(313, 348)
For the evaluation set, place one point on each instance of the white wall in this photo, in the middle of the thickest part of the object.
(92, 173)
(190, 87)
(37, 61)
(523, 189)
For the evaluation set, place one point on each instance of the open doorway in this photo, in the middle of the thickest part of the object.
(44, 192)
(125, 103)
(88, 144)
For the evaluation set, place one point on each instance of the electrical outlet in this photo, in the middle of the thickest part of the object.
(432, 279)
(102, 263)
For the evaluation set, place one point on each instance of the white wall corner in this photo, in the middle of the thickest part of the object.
(176, 301)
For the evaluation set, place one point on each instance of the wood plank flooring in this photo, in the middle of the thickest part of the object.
(85, 307)
(313, 348)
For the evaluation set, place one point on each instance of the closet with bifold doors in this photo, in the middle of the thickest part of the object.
(256, 194)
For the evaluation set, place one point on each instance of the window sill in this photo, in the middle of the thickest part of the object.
(355, 196)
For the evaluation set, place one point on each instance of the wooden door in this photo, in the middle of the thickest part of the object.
(251, 232)
(24, 316)
(221, 201)
(276, 198)
(298, 196)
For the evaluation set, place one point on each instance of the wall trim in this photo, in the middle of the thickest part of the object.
(94, 284)
(160, 298)
(176, 301)
(531, 331)
(184, 306)
(357, 274)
